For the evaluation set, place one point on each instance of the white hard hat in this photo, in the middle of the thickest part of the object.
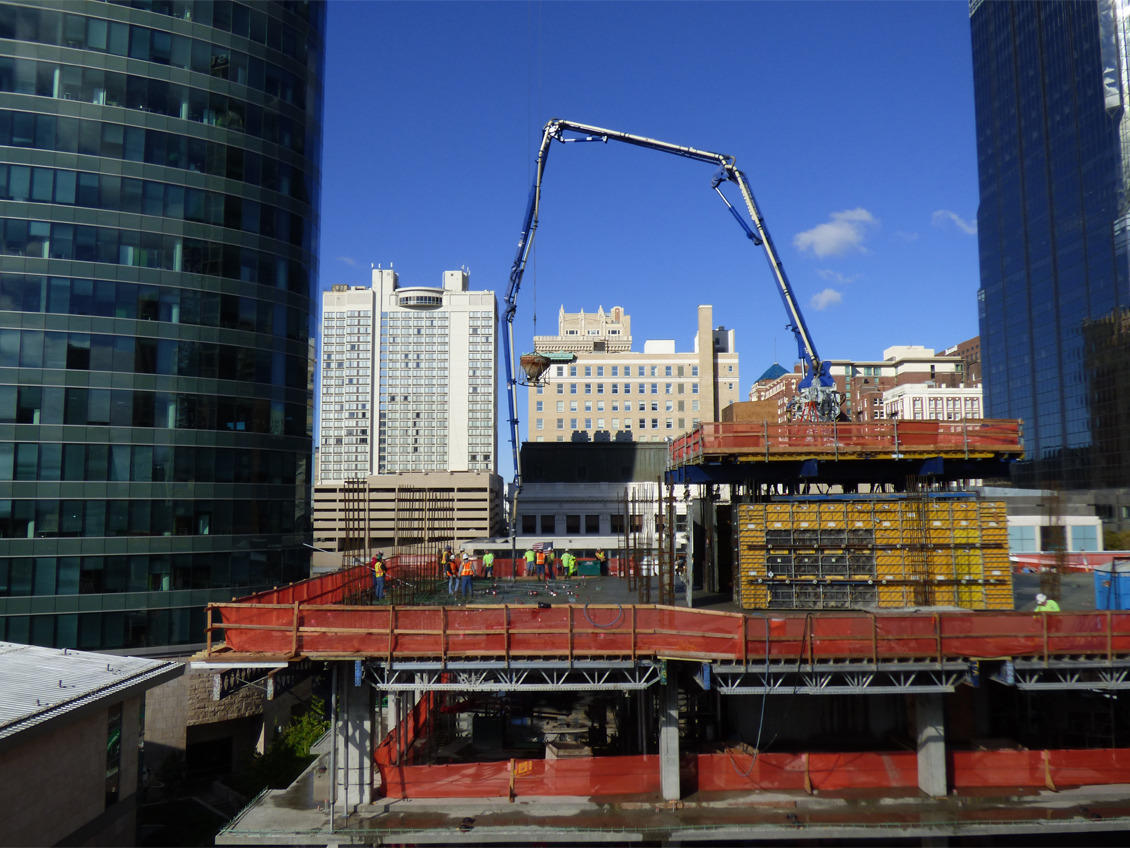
(1040, 598)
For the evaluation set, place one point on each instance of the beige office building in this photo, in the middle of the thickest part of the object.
(612, 393)
(396, 512)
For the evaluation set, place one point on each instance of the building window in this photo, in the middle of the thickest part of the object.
(572, 524)
(529, 524)
(113, 754)
(549, 524)
(592, 524)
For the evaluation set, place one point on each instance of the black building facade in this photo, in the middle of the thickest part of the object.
(158, 230)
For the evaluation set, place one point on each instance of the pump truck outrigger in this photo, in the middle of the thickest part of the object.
(817, 398)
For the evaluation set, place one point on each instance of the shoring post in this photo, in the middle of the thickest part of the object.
(208, 629)
(807, 773)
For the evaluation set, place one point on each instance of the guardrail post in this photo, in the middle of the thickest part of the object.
(208, 629)
(294, 632)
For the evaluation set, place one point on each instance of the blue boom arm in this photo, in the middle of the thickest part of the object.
(817, 399)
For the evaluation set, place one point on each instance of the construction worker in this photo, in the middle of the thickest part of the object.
(1045, 604)
(529, 555)
(488, 564)
(569, 564)
(466, 575)
(539, 559)
(453, 565)
(379, 572)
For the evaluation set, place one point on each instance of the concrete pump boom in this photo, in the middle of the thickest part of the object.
(817, 398)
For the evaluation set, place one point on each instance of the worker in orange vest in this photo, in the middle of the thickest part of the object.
(540, 562)
(466, 575)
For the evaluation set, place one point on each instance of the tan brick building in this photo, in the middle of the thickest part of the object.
(612, 393)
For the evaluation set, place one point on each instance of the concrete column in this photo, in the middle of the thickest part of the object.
(354, 742)
(669, 740)
(929, 715)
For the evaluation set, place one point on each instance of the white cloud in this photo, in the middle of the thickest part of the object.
(348, 260)
(836, 277)
(943, 216)
(903, 235)
(844, 233)
(822, 300)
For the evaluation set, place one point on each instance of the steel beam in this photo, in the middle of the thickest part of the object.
(527, 676)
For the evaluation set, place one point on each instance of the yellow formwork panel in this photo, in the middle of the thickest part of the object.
(941, 596)
(832, 512)
(888, 533)
(895, 596)
(778, 511)
(939, 533)
(940, 563)
(971, 595)
(939, 511)
(968, 564)
(889, 564)
(998, 597)
(752, 563)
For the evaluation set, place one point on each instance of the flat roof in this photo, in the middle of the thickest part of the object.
(39, 685)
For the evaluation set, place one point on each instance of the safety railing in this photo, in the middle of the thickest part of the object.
(974, 437)
(575, 632)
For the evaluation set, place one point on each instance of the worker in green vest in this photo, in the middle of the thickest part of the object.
(1045, 604)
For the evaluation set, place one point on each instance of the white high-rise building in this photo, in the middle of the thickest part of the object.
(408, 378)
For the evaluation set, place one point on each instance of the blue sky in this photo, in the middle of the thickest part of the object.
(853, 122)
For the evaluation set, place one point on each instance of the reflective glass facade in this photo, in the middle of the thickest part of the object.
(1052, 147)
(158, 226)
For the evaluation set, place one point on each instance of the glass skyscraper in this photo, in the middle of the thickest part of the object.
(1053, 151)
(158, 228)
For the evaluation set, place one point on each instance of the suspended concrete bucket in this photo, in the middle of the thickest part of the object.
(534, 366)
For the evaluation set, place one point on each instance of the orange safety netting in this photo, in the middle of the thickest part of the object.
(735, 770)
(577, 631)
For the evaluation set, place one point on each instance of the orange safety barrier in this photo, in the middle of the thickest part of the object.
(574, 776)
(735, 770)
(612, 630)
(1051, 769)
(874, 438)
(324, 589)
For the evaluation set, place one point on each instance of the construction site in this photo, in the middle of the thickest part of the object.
(869, 677)
(842, 659)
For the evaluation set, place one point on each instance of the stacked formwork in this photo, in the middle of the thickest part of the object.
(885, 552)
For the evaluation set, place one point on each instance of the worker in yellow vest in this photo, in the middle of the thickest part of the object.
(466, 575)
(379, 572)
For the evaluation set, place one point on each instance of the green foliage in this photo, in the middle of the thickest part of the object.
(1115, 540)
(286, 757)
